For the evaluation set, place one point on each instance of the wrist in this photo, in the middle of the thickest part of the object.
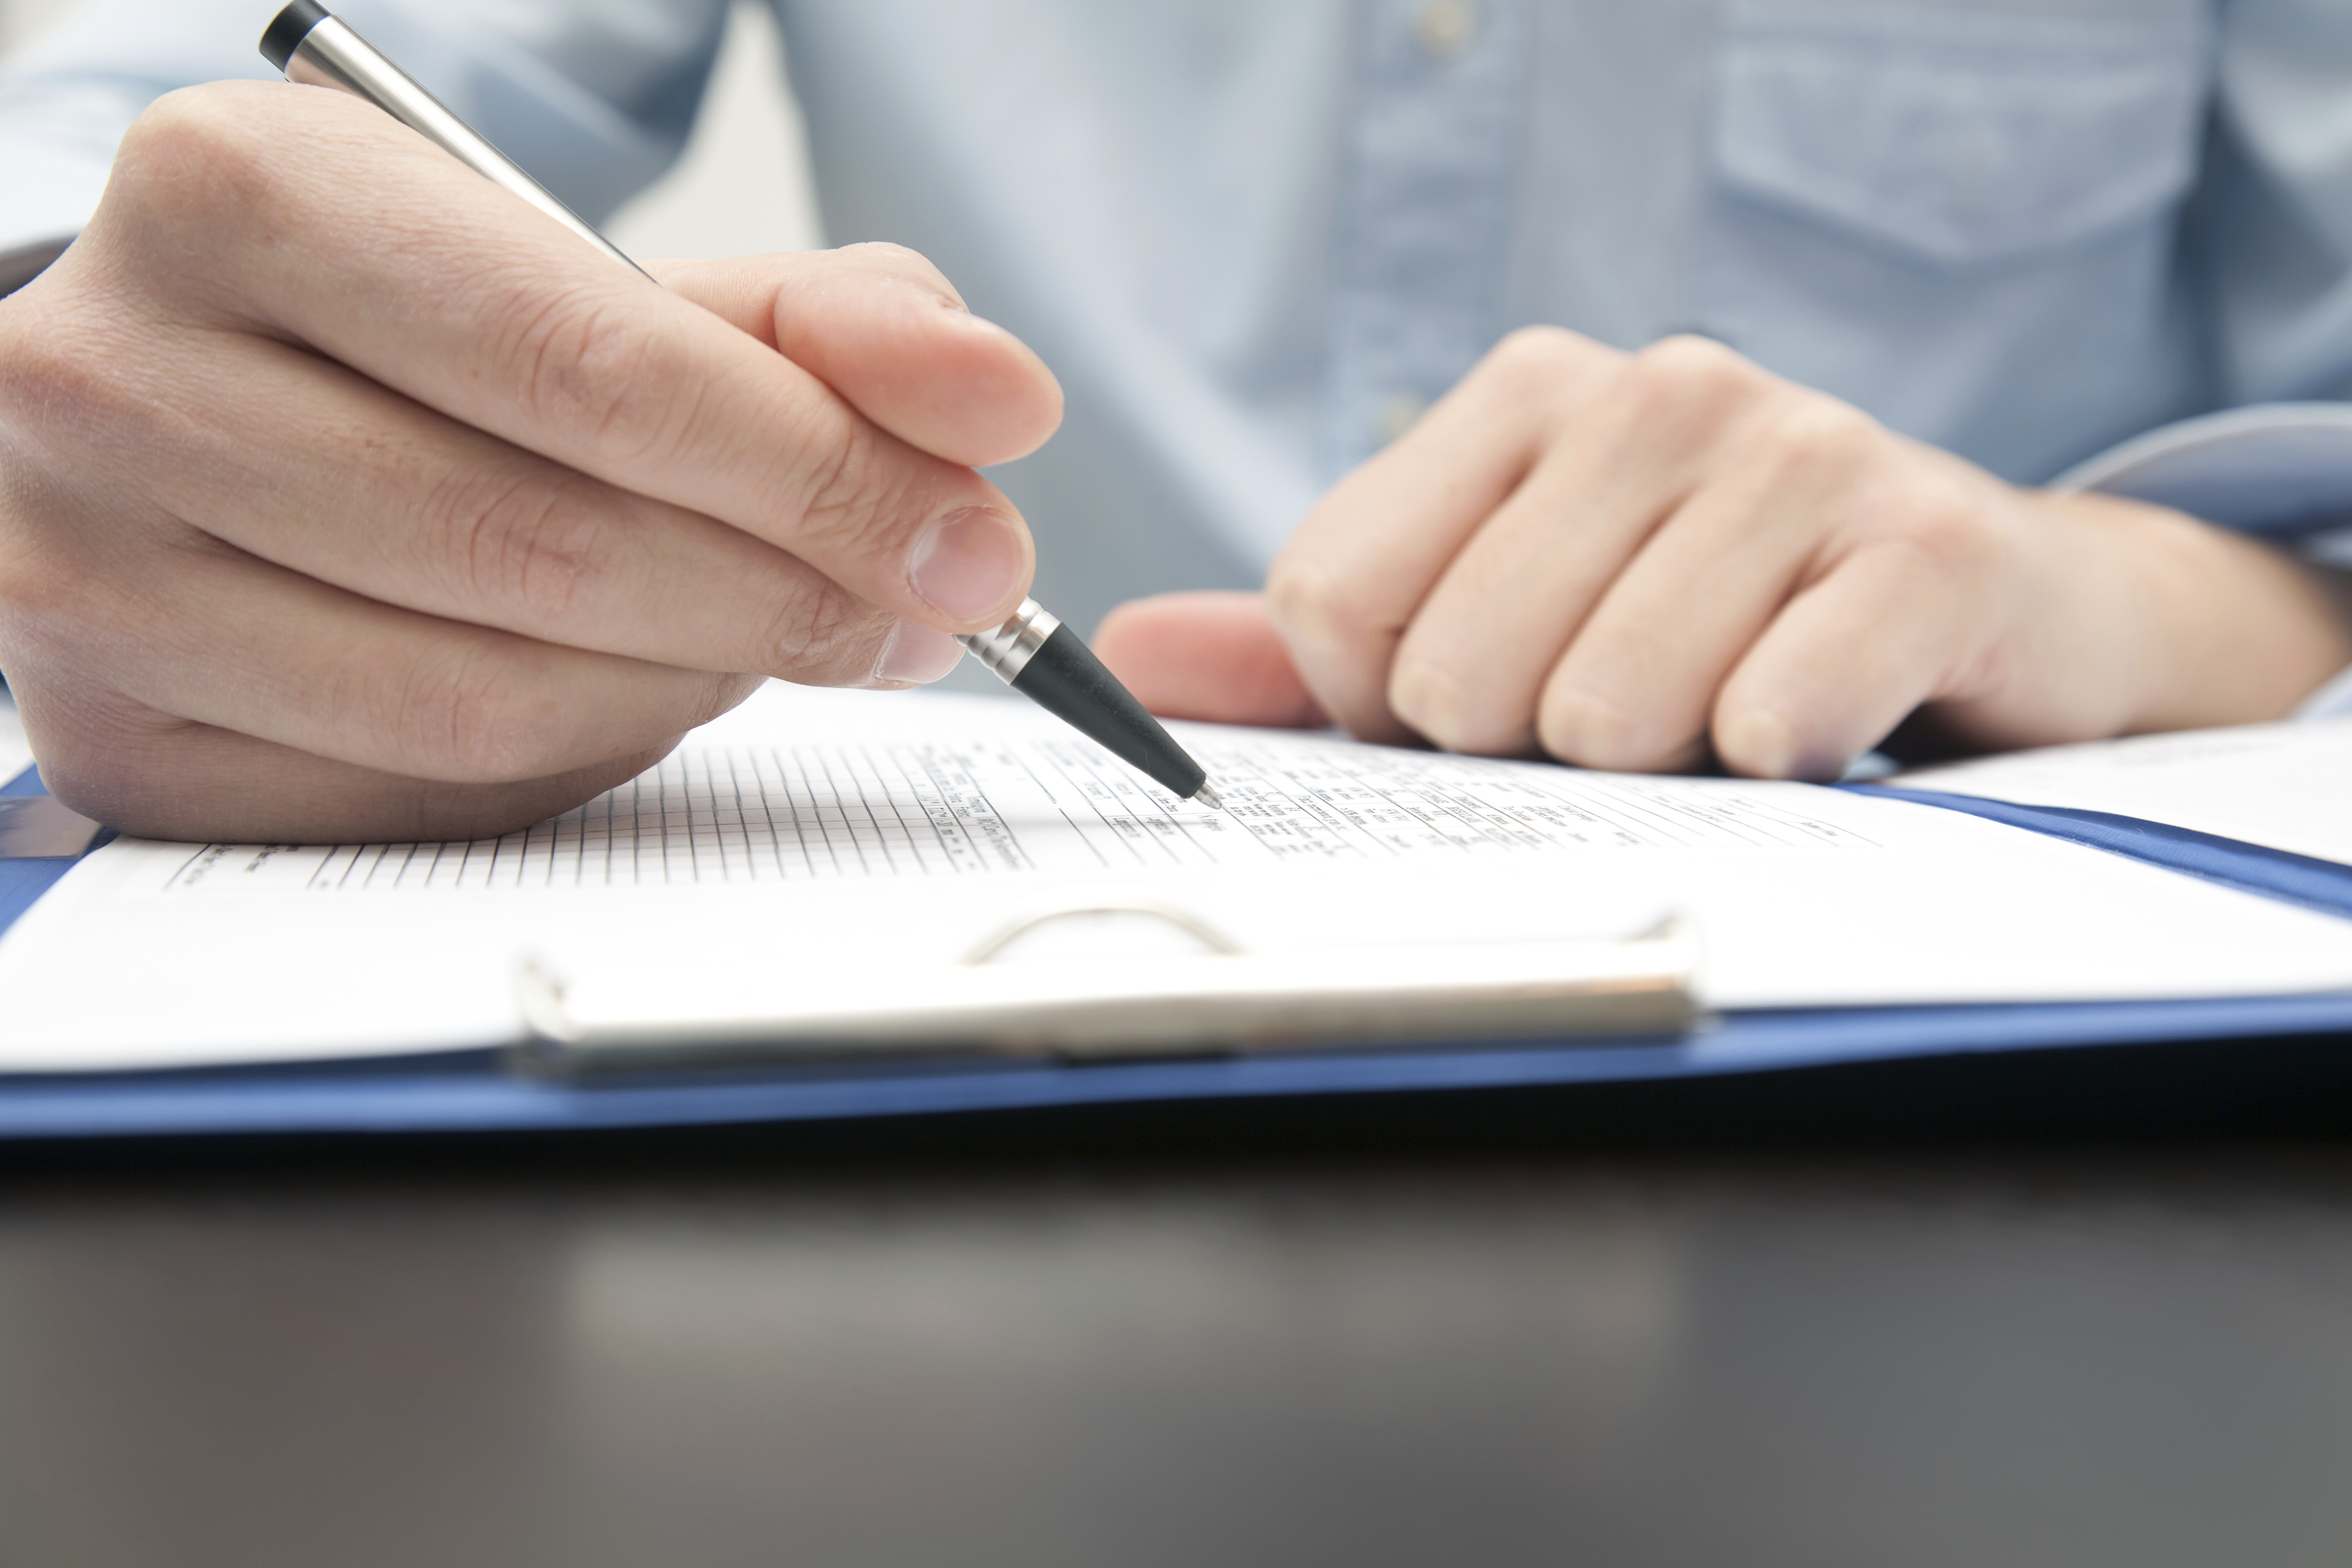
(2199, 625)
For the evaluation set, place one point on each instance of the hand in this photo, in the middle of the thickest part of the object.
(343, 497)
(1639, 560)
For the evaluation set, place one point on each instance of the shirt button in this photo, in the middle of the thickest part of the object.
(1442, 26)
(1399, 412)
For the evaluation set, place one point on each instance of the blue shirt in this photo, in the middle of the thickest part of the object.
(1253, 239)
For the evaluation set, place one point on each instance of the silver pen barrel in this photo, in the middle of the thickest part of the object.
(332, 55)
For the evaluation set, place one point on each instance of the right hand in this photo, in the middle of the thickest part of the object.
(344, 498)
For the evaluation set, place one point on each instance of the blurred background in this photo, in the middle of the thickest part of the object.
(748, 140)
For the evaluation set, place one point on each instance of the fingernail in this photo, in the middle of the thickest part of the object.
(969, 564)
(916, 655)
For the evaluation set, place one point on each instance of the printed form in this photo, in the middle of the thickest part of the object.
(786, 813)
(874, 834)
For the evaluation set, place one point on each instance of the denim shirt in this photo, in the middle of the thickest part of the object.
(2097, 242)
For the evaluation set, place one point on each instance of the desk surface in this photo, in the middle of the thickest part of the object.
(1819, 1356)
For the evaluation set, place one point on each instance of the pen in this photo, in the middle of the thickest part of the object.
(1034, 653)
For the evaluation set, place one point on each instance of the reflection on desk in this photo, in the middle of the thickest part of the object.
(1823, 1359)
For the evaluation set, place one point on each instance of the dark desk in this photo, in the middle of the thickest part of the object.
(1225, 1346)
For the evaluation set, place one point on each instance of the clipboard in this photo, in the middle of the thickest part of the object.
(1550, 1015)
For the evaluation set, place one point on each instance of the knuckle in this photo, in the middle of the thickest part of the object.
(886, 255)
(536, 545)
(97, 759)
(1309, 600)
(35, 591)
(1815, 433)
(470, 715)
(590, 368)
(1688, 370)
(1532, 360)
(93, 778)
(176, 148)
(846, 486)
(1946, 530)
(825, 637)
(55, 595)
(63, 382)
(705, 698)
(194, 154)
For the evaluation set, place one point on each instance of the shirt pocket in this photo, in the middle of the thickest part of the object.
(1959, 140)
(1933, 213)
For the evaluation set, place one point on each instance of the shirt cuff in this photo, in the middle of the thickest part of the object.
(2283, 470)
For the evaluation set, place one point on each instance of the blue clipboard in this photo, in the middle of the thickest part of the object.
(474, 1091)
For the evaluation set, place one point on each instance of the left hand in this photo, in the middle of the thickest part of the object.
(1639, 560)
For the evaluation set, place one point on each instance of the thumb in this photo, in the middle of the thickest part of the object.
(1207, 656)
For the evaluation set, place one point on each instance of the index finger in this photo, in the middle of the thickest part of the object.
(436, 283)
(1360, 565)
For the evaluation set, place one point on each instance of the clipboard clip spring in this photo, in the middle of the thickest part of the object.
(1041, 915)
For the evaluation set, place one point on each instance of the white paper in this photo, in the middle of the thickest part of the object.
(1027, 800)
(2288, 786)
(879, 835)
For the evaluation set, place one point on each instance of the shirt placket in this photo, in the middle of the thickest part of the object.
(1421, 225)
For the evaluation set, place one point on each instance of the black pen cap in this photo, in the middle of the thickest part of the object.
(287, 30)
